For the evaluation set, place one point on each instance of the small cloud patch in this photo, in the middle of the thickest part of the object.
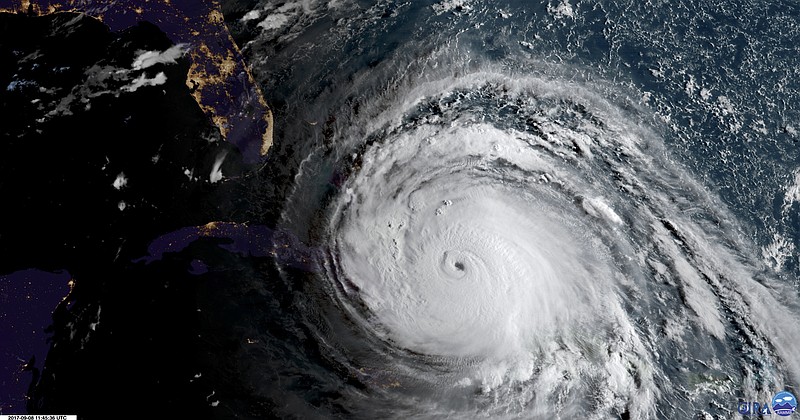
(142, 80)
(216, 171)
(120, 181)
(147, 59)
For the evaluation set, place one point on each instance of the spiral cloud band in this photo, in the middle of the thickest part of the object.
(521, 244)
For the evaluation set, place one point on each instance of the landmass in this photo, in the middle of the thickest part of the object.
(219, 80)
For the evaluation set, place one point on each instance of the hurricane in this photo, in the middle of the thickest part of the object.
(515, 236)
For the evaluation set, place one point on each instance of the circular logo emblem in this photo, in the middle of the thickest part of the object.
(744, 407)
(784, 403)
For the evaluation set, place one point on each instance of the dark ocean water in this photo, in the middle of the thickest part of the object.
(532, 210)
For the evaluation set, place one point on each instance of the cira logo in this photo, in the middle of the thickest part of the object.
(784, 403)
(753, 408)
